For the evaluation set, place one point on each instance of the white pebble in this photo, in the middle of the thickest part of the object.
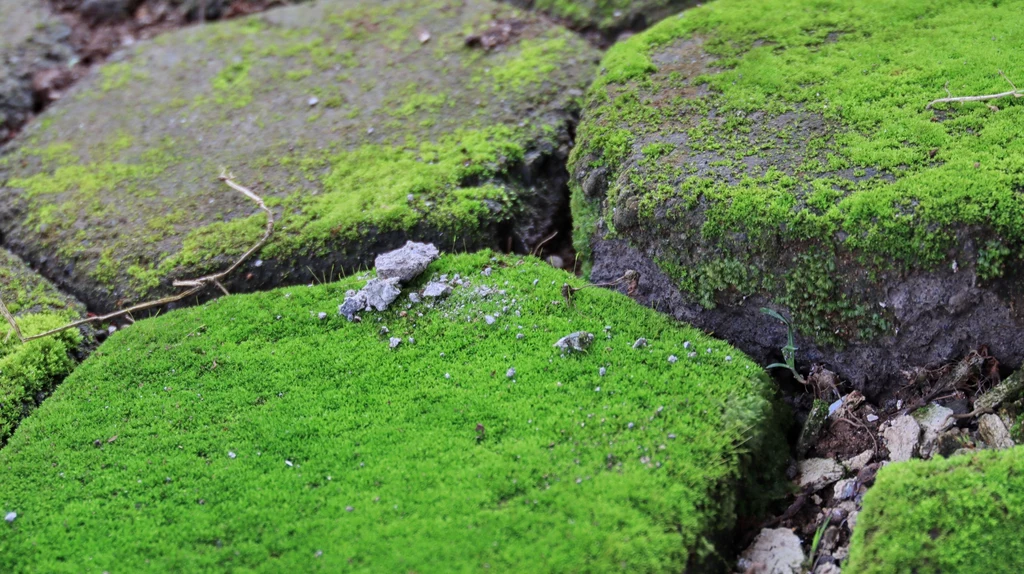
(489, 319)
(321, 315)
(601, 371)
(394, 342)
(231, 454)
(672, 358)
(11, 516)
(511, 372)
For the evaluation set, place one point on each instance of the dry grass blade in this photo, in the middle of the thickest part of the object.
(1014, 92)
(194, 285)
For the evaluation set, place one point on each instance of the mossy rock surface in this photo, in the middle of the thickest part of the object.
(250, 433)
(30, 371)
(31, 39)
(774, 153)
(361, 124)
(607, 18)
(962, 514)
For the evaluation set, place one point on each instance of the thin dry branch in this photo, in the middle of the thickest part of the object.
(631, 278)
(194, 285)
(1014, 92)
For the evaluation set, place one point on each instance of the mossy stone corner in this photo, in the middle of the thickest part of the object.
(961, 514)
(774, 153)
(607, 18)
(30, 371)
(362, 125)
(254, 432)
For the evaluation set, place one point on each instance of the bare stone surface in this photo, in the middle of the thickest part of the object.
(934, 420)
(407, 262)
(575, 342)
(858, 462)
(902, 435)
(817, 473)
(31, 42)
(774, 551)
(993, 432)
(436, 289)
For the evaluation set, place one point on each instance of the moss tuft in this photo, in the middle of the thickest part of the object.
(250, 433)
(962, 514)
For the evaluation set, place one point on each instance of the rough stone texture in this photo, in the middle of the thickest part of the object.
(437, 141)
(817, 473)
(25, 291)
(605, 20)
(774, 551)
(380, 293)
(885, 231)
(577, 342)
(934, 420)
(902, 435)
(1007, 390)
(31, 41)
(858, 462)
(993, 432)
(437, 289)
(407, 262)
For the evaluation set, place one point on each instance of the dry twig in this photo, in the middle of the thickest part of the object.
(194, 285)
(1014, 92)
(630, 277)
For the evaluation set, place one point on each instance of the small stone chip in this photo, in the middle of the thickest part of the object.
(641, 342)
(575, 342)
(437, 289)
(511, 372)
(672, 358)
(394, 342)
(11, 516)
(405, 263)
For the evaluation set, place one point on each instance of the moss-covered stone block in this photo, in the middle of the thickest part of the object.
(250, 432)
(962, 514)
(776, 153)
(362, 125)
(607, 18)
(30, 371)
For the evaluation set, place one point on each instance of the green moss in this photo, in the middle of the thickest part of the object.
(962, 514)
(369, 188)
(30, 370)
(232, 85)
(338, 174)
(117, 75)
(428, 447)
(532, 63)
(844, 162)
